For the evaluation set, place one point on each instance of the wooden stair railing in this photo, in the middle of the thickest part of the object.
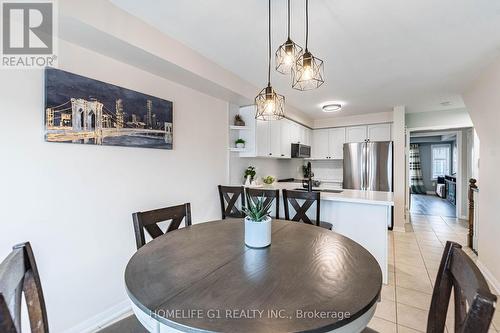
(472, 188)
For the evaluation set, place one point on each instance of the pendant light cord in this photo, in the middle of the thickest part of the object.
(307, 22)
(269, 49)
(288, 19)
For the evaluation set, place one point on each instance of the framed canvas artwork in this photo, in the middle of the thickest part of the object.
(86, 111)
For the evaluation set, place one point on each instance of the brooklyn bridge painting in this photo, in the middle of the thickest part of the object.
(87, 111)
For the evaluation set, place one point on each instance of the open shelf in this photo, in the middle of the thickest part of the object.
(233, 127)
(237, 149)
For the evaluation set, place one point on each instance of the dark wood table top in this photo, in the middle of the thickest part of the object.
(206, 271)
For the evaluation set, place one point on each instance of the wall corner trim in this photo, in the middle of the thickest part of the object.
(100, 320)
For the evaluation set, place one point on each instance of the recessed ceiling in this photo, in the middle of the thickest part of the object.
(378, 54)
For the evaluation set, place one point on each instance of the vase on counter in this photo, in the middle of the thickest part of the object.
(248, 181)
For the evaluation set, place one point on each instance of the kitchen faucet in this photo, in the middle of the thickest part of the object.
(309, 177)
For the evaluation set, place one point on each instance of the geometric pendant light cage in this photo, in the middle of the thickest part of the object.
(308, 72)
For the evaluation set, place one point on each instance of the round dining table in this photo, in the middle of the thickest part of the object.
(203, 278)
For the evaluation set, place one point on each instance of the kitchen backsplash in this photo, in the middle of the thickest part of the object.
(330, 170)
(325, 171)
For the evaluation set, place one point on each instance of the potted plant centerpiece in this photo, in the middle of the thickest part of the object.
(257, 223)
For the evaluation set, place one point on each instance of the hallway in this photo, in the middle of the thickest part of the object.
(431, 205)
(414, 261)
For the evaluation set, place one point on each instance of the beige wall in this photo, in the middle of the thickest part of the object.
(74, 202)
(483, 102)
(399, 139)
(439, 119)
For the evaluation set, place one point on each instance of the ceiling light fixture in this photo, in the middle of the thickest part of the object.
(308, 71)
(288, 52)
(270, 105)
(331, 107)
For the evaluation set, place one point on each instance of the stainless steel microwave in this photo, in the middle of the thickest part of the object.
(300, 151)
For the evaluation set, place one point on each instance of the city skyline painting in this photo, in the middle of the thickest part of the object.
(87, 111)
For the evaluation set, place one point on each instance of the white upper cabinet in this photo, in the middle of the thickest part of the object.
(375, 132)
(275, 137)
(356, 134)
(320, 145)
(262, 135)
(294, 131)
(286, 139)
(379, 132)
(336, 140)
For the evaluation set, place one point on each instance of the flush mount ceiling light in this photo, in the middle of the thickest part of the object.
(308, 72)
(270, 105)
(331, 107)
(288, 52)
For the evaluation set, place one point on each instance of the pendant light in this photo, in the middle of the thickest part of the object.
(270, 105)
(308, 71)
(288, 52)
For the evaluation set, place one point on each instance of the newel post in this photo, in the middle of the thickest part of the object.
(472, 187)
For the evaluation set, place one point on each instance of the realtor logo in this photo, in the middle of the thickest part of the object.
(28, 34)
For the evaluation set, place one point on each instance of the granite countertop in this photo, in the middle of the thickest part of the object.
(357, 196)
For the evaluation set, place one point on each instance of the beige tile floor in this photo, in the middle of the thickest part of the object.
(414, 258)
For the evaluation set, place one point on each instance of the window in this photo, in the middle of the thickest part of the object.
(440, 160)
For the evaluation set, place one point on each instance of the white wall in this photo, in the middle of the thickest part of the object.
(483, 102)
(439, 119)
(74, 202)
(400, 189)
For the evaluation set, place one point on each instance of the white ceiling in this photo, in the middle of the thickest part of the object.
(377, 54)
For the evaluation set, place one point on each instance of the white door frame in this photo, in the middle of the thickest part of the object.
(460, 185)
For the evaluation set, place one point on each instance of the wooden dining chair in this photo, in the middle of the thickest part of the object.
(229, 196)
(474, 304)
(149, 220)
(269, 195)
(290, 199)
(18, 276)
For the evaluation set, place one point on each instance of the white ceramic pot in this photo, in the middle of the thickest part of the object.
(257, 234)
(240, 145)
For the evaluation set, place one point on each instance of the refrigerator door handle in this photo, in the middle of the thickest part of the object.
(363, 167)
(365, 173)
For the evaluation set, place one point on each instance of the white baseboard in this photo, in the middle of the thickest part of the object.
(102, 319)
(489, 277)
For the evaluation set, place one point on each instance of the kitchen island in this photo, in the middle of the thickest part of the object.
(362, 216)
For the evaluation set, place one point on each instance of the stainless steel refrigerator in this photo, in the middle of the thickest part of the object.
(368, 166)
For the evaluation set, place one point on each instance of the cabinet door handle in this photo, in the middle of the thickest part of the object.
(270, 154)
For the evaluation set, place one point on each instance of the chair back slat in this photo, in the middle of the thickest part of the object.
(149, 221)
(18, 276)
(269, 196)
(474, 303)
(229, 196)
(290, 199)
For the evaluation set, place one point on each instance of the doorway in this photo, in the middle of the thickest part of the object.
(438, 172)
